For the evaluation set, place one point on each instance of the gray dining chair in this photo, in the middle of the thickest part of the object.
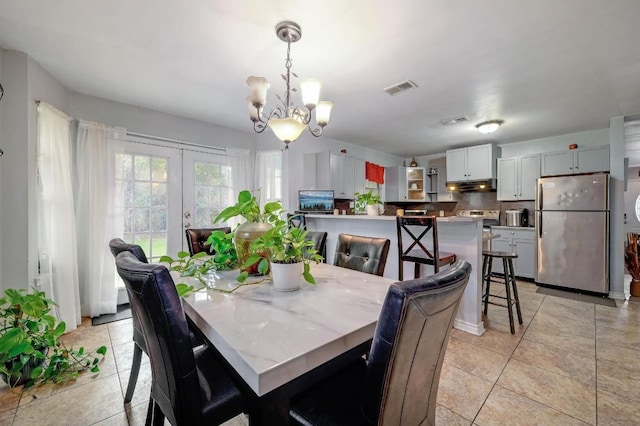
(397, 384)
(364, 254)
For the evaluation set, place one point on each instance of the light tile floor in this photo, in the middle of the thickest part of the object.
(569, 363)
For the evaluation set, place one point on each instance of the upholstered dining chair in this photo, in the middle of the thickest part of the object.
(398, 382)
(417, 252)
(297, 220)
(117, 246)
(196, 239)
(363, 254)
(319, 240)
(188, 387)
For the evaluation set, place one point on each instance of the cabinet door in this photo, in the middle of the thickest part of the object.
(595, 159)
(457, 165)
(507, 179)
(359, 181)
(348, 180)
(529, 172)
(335, 171)
(557, 163)
(480, 162)
(416, 183)
(526, 262)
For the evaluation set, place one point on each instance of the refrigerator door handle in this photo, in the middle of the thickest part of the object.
(540, 203)
(539, 223)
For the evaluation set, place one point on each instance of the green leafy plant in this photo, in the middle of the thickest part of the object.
(248, 207)
(368, 198)
(284, 244)
(31, 352)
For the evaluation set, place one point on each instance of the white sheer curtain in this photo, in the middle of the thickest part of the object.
(98, 217)
(268, 175)
(241, 175)
(56, 217)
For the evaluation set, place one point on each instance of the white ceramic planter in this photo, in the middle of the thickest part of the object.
(372, 210)
(286, 277)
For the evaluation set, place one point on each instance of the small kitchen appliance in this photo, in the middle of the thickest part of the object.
(517, 217)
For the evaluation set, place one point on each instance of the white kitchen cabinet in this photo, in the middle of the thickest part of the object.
(518, 240)
(471, 163)
(407, 184)
(335, 170)
(517, 177)
(359, 176)
(582, 160)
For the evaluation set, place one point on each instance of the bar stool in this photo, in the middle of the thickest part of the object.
(509, 278)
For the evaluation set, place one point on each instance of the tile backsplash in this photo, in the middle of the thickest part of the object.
(466, 201)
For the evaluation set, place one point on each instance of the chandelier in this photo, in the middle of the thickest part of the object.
(287, 120)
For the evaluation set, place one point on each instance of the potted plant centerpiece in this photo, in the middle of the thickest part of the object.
(30, 348)
(289, 253)
(224, 263)
(256, 223)
(367, 202)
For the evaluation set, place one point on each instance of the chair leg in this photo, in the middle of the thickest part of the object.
(505, 266)
(487, 278)
(400, 269)
(133, 376)
(149, 418)
(416, 270)
(516, 299)
(158, 415)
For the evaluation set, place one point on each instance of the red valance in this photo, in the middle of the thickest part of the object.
(374, 172)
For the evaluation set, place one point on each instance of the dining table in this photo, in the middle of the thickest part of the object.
(279, 343)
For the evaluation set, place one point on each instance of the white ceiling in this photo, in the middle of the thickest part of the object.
(545, 67)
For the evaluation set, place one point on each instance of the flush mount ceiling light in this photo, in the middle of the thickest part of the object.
(287, 120)
(489, 126)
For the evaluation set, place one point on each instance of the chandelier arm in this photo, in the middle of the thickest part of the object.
(317, 132)
(259, 127)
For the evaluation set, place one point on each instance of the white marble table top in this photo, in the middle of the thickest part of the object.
(390, 218)
(271, 337)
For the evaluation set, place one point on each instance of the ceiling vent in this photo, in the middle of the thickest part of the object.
(400, 87)
(452, 121)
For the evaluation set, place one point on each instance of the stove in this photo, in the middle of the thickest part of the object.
(489, 217)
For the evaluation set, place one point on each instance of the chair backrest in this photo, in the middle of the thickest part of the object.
(196, 239)
(409, 345)
(117, 245)
(420, 225)
(297, 220)
(319, 242)
(363, 254)
(153, 296)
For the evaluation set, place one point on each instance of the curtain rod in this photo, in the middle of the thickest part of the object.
(162, 139)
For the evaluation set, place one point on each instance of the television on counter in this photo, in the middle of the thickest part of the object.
(316, 200)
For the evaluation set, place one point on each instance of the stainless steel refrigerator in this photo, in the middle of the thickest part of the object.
(572, 229)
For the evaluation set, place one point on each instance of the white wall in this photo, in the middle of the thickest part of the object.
(293, 157)
(616, 204)
(556, 143)
(155, 123)
(25, 81)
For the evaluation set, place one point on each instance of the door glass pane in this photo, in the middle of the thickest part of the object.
(212, 191)
(143, 179)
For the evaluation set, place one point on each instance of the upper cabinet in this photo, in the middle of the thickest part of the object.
(408, 184)
(335, 170)
(472, 163)
(581, 160)
(517, 177)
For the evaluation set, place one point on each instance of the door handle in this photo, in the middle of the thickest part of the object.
(540, 197)
(187, 214)
(187, 225)
(539, 224)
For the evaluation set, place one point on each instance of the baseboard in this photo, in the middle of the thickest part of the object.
(468, 327)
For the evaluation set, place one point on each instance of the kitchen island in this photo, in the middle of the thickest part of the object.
(459, 235)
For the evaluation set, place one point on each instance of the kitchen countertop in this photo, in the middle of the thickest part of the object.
(392, 218)
(516, 228)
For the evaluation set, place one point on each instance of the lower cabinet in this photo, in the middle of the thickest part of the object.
(521, 241)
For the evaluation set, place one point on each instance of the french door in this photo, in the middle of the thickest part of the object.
(165, 190)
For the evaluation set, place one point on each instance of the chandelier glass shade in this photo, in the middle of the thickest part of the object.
(286, 120)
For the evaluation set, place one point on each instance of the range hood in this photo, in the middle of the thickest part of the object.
(487, 185)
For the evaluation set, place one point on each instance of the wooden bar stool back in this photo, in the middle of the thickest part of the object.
(509, 281)
(417, 252)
